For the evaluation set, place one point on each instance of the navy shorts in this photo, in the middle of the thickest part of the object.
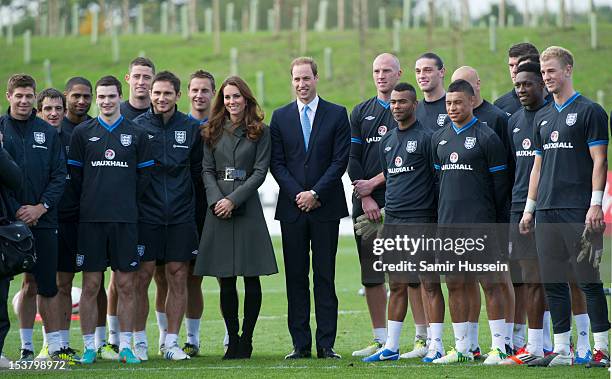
(167, 243)
(103, 244)
(67, 247)
(558, 233)
(522, 246)
(416, 227)
(45, 269)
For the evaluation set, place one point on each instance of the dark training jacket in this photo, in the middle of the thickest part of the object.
(10, 179)
(176, 177)
(35, 147)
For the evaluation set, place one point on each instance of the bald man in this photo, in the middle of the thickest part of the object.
(370, 121)
(497, 120)
(486, 112)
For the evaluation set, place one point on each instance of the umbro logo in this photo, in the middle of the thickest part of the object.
(516, 130)
(370, 118)
(443, 142)
(94, 139)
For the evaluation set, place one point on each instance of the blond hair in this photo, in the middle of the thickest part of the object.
(561, 54)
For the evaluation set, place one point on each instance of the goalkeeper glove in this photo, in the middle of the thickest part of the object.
(366, 228)
(591, 247)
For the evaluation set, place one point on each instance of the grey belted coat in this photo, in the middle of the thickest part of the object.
(240, 245)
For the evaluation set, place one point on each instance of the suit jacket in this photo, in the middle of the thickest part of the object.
(320, 168)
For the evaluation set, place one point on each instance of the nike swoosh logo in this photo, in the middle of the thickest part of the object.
(384, 358)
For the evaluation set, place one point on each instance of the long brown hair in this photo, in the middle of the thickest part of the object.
(252, 117)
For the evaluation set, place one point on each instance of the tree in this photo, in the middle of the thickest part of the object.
(54, 14)
(125, 13)
(193, 11)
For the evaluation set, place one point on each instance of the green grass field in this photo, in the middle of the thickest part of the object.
(272, 341)
(72, 56)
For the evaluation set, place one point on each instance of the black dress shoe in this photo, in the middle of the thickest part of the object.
(327, 352)
(298, 354)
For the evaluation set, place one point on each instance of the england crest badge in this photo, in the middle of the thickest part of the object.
(470, 142)
(411, 146)
(126, 139)
(80, 258)
(39, 137)
(441, 118)
(180, 136)
(570, 120)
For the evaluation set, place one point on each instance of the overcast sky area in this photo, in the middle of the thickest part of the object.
(477, 7)
(481, 6)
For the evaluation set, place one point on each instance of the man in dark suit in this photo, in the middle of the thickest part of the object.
(310, 148)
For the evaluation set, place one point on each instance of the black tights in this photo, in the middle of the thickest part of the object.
(229, 306)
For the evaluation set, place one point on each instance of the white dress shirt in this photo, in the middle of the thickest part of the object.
(312, 108)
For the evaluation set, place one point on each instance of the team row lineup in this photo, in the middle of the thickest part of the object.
(156, 193)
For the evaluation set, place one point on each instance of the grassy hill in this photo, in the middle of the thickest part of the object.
(262, 51)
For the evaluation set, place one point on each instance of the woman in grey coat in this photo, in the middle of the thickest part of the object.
(235, 239)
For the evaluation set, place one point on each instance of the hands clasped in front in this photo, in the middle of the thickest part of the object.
(223, 209)
(306, 201)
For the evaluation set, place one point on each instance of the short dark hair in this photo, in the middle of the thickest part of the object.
(304, 60)
(535, 58)
(77, 80)
(141, 61)
(201, 74)
(523, 48)
(20, 81)
(50, 93)
(435, 57)
(532, 67)
(461, 85)
(167, 76)
(108, 81)
(403, 87)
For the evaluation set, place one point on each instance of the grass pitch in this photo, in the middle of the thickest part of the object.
(272, 341)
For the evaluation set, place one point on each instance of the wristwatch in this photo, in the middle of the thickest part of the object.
(314, 194)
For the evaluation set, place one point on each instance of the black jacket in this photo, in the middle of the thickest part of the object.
(10, 180)
(177, 149)
(35, 146)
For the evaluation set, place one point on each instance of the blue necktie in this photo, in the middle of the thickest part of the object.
(306, 127)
